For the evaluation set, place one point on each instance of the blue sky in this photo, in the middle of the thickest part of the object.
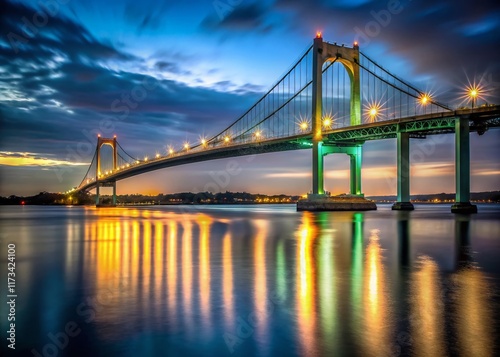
(202, 64)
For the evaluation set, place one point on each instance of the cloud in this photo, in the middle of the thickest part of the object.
(244, 17)
(33, 159)
(434, 39)
(146, 15)
(79, 85)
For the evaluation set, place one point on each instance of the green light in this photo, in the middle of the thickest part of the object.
(306, 143)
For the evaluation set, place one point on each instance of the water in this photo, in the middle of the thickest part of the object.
(252, 280)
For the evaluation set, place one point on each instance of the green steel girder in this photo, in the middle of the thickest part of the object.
(417, 129)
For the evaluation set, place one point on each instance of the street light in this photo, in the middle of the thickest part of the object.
(303, 125)
(473, 94)
(327, 122)
(424, 98)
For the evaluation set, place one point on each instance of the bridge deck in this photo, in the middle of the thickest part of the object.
(480, 119)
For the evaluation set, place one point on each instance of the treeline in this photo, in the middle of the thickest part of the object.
(48, 198)
(206, 198)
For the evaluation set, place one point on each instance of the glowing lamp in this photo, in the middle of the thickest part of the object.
(425, 99)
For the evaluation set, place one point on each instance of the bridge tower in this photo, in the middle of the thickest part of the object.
(102, 182)
(349, 58)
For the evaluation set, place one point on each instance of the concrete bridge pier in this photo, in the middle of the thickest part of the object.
(105, 184)
(403, 176)
(319, 200)
(462, 168)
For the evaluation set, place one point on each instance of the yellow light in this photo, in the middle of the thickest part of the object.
(373, 111)
(355, 43)
(137, 162)
(128, 165)
(170, 151)
(474, 92)
(258, 134)
(145, 158)
(327, 122)
(157, 155)
(304, 125)
(425, 99)
(186, 145)
(203, 142)
(226, 139)
(318, 34)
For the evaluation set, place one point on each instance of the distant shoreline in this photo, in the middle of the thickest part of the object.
(228, 198)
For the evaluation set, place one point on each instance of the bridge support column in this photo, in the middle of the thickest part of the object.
(403, 180)
(356, 157)
(318, 169)
(97, 194)
(317, 109)
(114, 193)
(462, 168)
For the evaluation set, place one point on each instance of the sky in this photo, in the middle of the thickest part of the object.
(70, 69)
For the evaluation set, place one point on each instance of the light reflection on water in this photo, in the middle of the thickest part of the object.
(256, 281)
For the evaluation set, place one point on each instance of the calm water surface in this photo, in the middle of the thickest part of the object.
(252, 280)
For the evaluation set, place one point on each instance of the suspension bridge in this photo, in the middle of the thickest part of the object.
(332, 100)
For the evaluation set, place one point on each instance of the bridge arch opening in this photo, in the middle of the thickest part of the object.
(336, 92)
(106, 159)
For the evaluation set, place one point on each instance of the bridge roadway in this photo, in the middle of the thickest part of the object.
(480, 119)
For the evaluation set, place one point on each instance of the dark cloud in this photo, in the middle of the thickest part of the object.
(438, 38)
(244, 17)
(28, 37)
(171, 67)
(146, 16)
